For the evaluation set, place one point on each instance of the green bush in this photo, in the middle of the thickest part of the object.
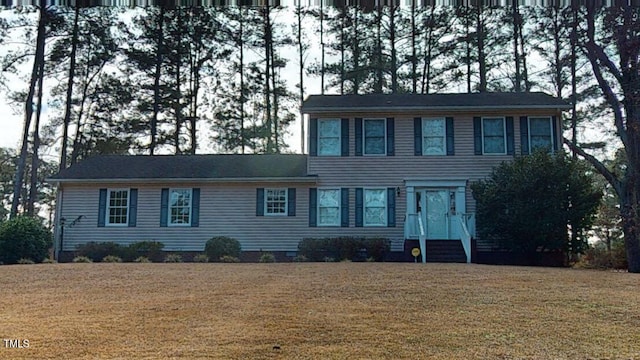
(142, 259)
(148, 249)
(25, 261)
(112, 259)
(300, 258)
(49, 261)
(82, 259)
(229, 259)
(598, 257)
(96, 251)
(23, 237)
(201, 258)
(220, 246)
(343, 248)
(267, 258)
(173, 258)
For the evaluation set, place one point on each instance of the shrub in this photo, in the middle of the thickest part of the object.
(49, 261)
(201, 258)
(343, 248)
(300, 258)
(267, 258)
(220, 246)
(598, 257)
(25, 261)
(82, 259)
(96, 251)
(148, 249)
(142, 259)
(112, 259)
(229, 259)
(173, 258)
(23, 237)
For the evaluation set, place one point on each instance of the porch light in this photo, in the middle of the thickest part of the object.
(398, 191)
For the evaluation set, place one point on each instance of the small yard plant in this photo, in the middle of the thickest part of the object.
(229, 259)
(267, 258)
(300, 258)
(82, 259)
(142, 259)
(173, 258)
(25, 261)
(201, 258)
(220, 246)
(111, 259)
(49, 261)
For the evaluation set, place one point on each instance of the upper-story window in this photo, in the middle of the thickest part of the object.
(117, 207)
(180, 207)
(375, 136)
(494, 136)
(329, 137)
(275, 202)
(434, 136)
(540, 133)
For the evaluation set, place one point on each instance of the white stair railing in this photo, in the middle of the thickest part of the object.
(465, 238)
(422, 238)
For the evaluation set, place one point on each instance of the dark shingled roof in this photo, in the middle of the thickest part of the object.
(167, 167)
(465, 101)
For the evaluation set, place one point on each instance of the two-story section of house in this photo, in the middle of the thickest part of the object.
(402, 164)
(397, 166)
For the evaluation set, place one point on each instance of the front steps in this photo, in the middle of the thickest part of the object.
(441, 251)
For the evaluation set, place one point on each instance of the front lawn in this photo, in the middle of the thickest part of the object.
(317, 311)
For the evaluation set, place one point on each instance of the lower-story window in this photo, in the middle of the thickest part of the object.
(375, 207)
(329, 207)
(276, 201)
(180, 207)
(118, 207)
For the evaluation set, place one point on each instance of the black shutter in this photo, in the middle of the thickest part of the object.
(102, 207)
(477, 135)
(449, 132)
(313, 137)
(417, 136)
(524, 135)
(391, 207)
(260, 202)
(313, 207)
(510, 136)
(195, 207)
(344, 207)
(291, 202)
(133, 207)
(358, 135)
(359, 207)
(554, 124)
(164, 207)
(391, 137)
(344, 138)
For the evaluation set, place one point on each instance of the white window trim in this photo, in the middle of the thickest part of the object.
(319, 224)
(364, 207)
(550, 131)
(187, 224)
(444, 136)
(108, 207)
(286, 202)
(339, 152)
(364, 137)
(504, 134)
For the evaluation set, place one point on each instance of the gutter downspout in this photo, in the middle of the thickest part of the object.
(58, 231)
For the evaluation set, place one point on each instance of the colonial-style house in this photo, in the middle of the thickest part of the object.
(397, 166)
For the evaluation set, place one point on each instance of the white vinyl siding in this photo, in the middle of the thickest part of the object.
(375, 136)
(180, 207)
(117, 213)
(329, 132)
(275, 202)
(375, 207)
(328, 207)
(434, 141)
(494, 136)
(540, 133)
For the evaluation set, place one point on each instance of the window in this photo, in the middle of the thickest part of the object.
(375, 207)
(180, 207)
(540, 133)
(329, 207)
(494, 136)
(275, 201)
(433, 137)
(375, 136)
(329, 137)
(118, 207)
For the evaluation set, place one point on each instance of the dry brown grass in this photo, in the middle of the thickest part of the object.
(318, 311)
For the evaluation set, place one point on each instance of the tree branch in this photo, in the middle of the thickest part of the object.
(598, 165)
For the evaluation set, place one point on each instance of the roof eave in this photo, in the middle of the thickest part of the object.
(387, 109)
(298, 179)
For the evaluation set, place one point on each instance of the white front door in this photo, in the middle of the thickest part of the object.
(436, 210)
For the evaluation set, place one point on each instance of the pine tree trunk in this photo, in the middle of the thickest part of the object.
(482, 61)
(321, 47)
(516, 54)
(267, 78)
(178, 101)
(35, 160)
(28, 107)
(156, 82)
(414, 60)
(67, 109)
(301, 70)
(242, 99)
(394, 53)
